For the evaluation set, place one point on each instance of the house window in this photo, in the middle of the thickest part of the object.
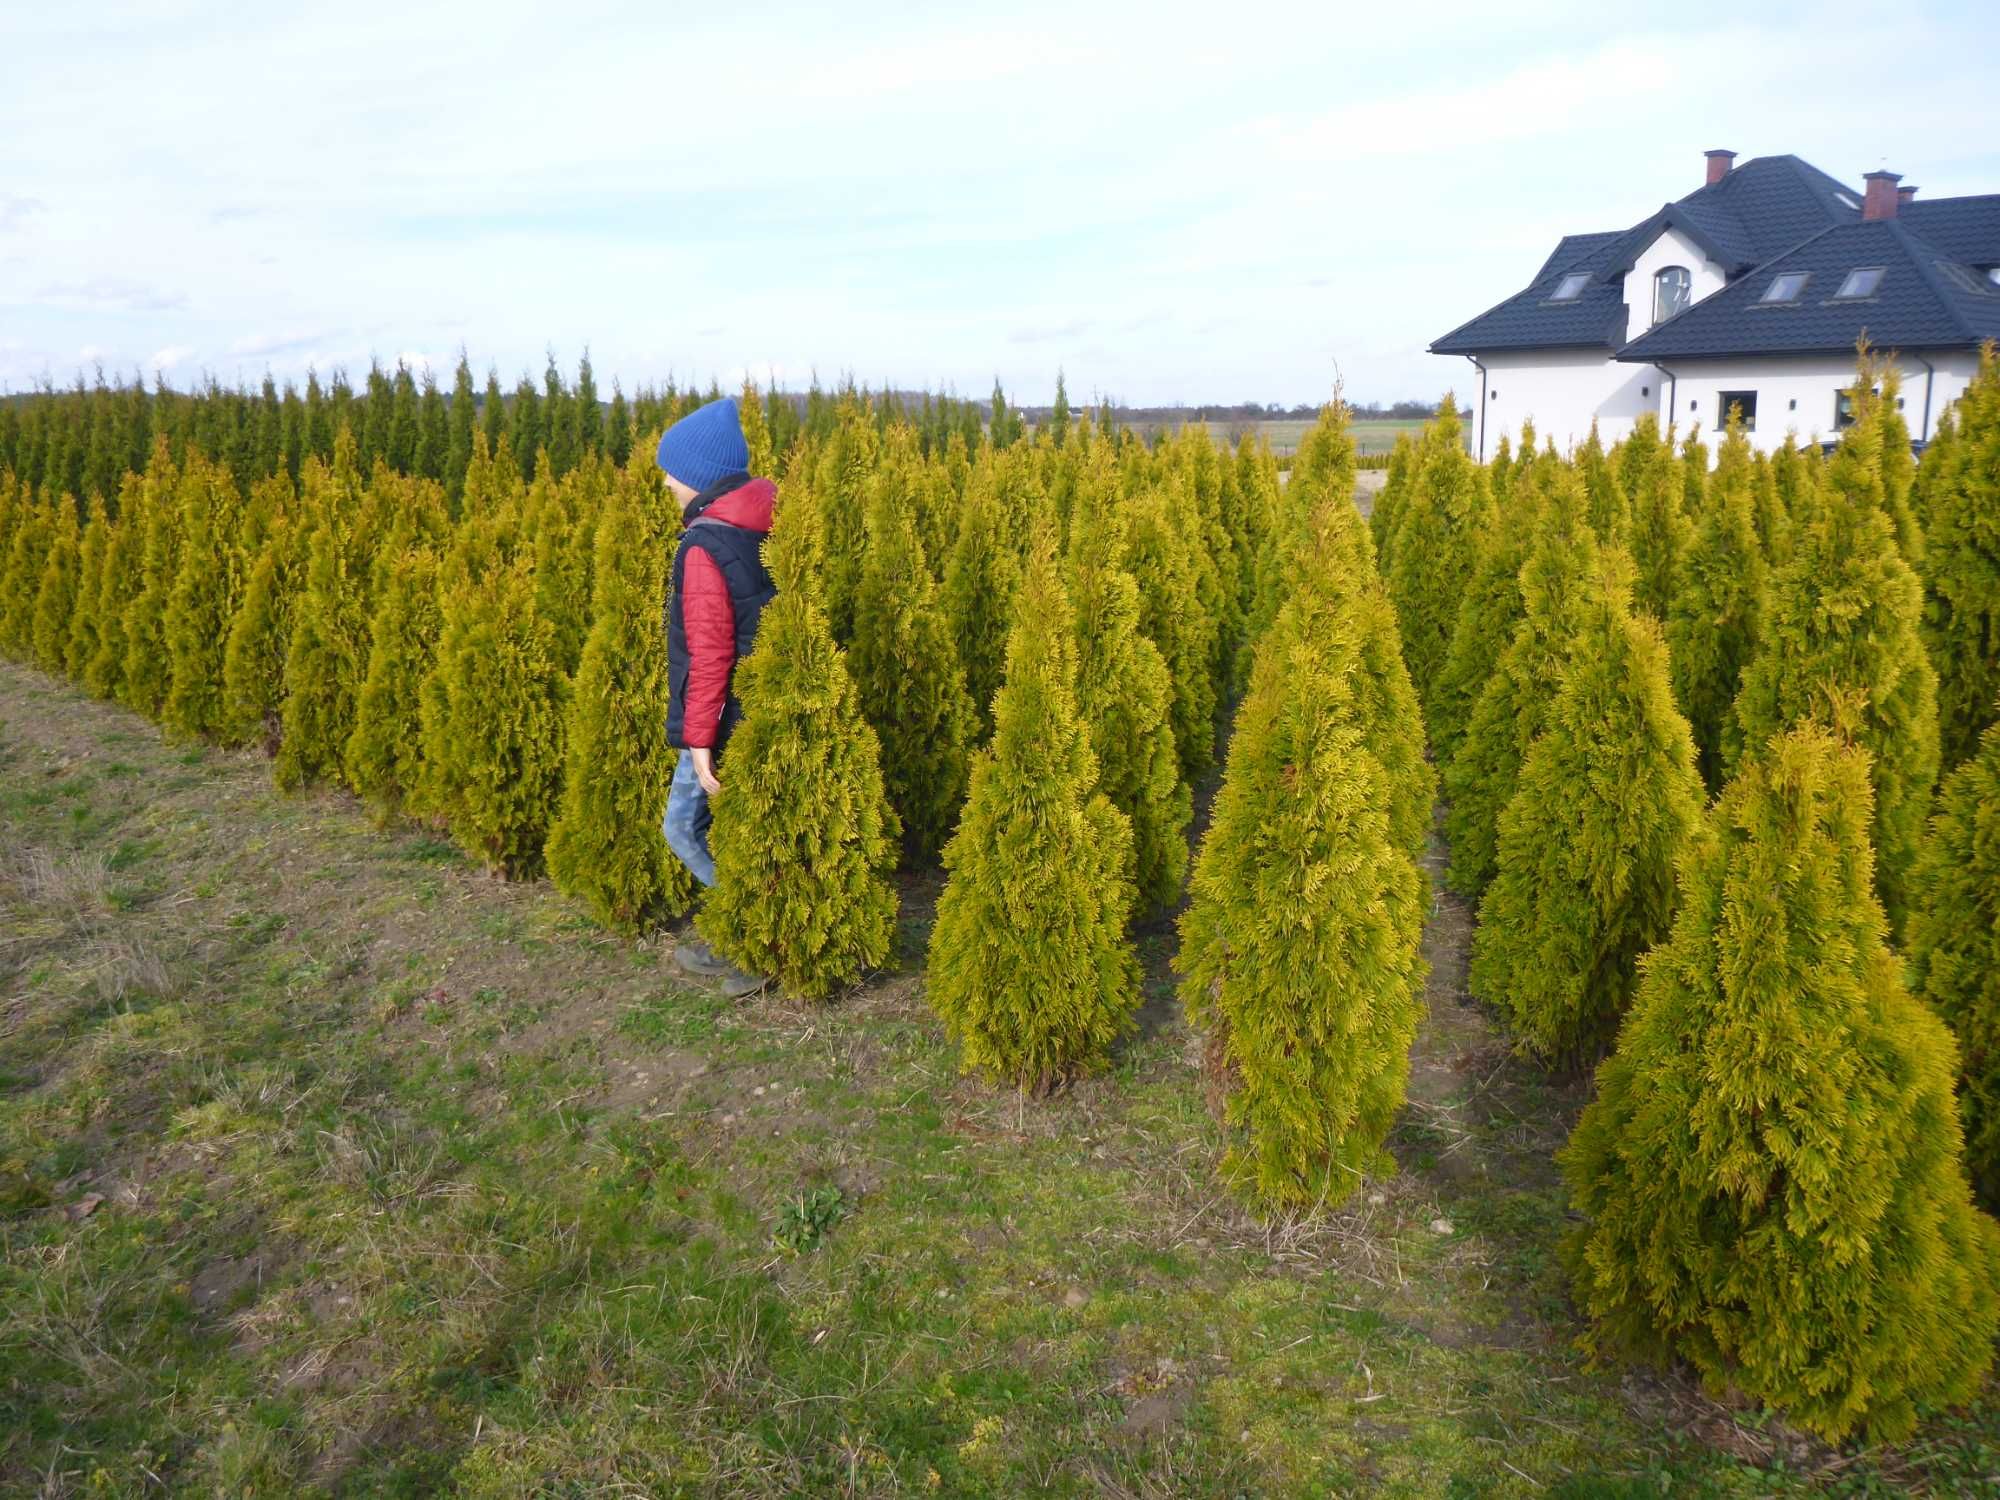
(1671, 288)
(1570, 287)
(1843, 408)
(1786, 286)
(1862, 282)
(1743, 401)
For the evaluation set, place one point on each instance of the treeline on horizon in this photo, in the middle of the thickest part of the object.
(81, 439)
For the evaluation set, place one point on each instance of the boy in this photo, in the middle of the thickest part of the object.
(718, 593)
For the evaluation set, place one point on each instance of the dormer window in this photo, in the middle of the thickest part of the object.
(1861, 282)
(1786, 286)
(1672, 287)
(1570, 287)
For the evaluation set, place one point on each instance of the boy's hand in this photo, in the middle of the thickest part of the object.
(704, 769)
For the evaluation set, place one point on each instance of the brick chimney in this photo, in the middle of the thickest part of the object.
(1904, 194)
(1880, 202)
(1719, 163)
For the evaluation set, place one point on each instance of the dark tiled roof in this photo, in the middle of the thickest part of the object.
(1756, 214)
(1966, 229)
(1925, 301)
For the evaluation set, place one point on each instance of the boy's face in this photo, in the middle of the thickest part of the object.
(683, 494)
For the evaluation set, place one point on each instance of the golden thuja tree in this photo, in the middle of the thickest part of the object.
(1029, 966)
(384, 754)
(1606, 799)
(1447, 510)
(207, 591)
(1958, 488)
(103, 674)
(56, 590)
(1715, 619)
(1954, 945)
(1769, 1177)
(1162, 562)
(1300, 947)
(979, 584)
(21, 573)
(147, 672)
(1842, 645)
(905, 665)
(804, 837)
(1124, 693)
(606, 847)
(80, 647)
(327, 646)
(253, 658)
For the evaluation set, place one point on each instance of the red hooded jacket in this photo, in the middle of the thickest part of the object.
(708, 616)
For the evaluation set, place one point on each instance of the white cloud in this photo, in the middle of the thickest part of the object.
(16, 211)
(165, 360)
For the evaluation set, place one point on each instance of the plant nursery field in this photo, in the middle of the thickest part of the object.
(332, 1165)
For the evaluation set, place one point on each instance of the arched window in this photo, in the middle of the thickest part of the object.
(1671, 287)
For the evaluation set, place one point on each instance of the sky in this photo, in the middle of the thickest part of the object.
(1167, 204)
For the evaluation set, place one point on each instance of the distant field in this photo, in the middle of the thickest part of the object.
(1370, 436)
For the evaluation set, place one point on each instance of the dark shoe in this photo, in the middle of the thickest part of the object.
(696, 957)
(736, 984)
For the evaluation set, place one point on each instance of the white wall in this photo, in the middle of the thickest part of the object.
(1797, 395)
(1672, 248)
(1563, 391)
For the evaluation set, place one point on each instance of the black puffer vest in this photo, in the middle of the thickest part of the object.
(739, 554)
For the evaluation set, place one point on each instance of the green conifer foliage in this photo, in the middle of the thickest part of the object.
(1300, 948)
(563, 517)
(147, 674)
(1842, 647)
(1769, 1175)
(253, 658)
(123, 554)
(979, 585)
(80, 648)
(1660, 531)
(1960, 489)
(505, 698)
(606, 848)
(56, 590)
(21, 581)
(327, 645)
(1161, 561)
(846, 473)
(1955, 945)
(1715, 620)
(905, 667)
(756, 432)
(1513, 705)
(1610, 512)
(1774, 527)
(207, 591)
(384, 753)
(1447, 510)
(1029, 968)
(1898, 465)
(1604, 803)
(1124, 692)
(1387, 512)
(804, 836)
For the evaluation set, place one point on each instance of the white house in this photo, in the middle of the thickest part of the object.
(1750, 291)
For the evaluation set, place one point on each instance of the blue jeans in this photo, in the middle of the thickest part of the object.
(687, 820)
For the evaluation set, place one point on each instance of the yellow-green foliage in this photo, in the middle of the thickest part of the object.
(1609, 511)
(1447, 510)
(1388, 509)
(124, 551)
(1511, 708)
(1029, 967)
(327, 649)
(1260, 493)
(606, 847)
(384, 754)
(1955, 945)
(1162, 562)
(207, 591)
(1842, 647)
(905, 666)
(1898, 465)
(979, 585)
(1660, 530)
(21, 581)
(81, 646)
(1124, 693)
(804, 837)
(56, 591)
(1604, 803)
(1769, 1176)
(1959, 490)
(1491, 608)
(504, 699)
(147, 674)
(253, 659)
(1300, 949)
(562, 515)
(844, 477)
(1715, 620)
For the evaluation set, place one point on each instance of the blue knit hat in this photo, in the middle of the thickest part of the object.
(706, 446)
